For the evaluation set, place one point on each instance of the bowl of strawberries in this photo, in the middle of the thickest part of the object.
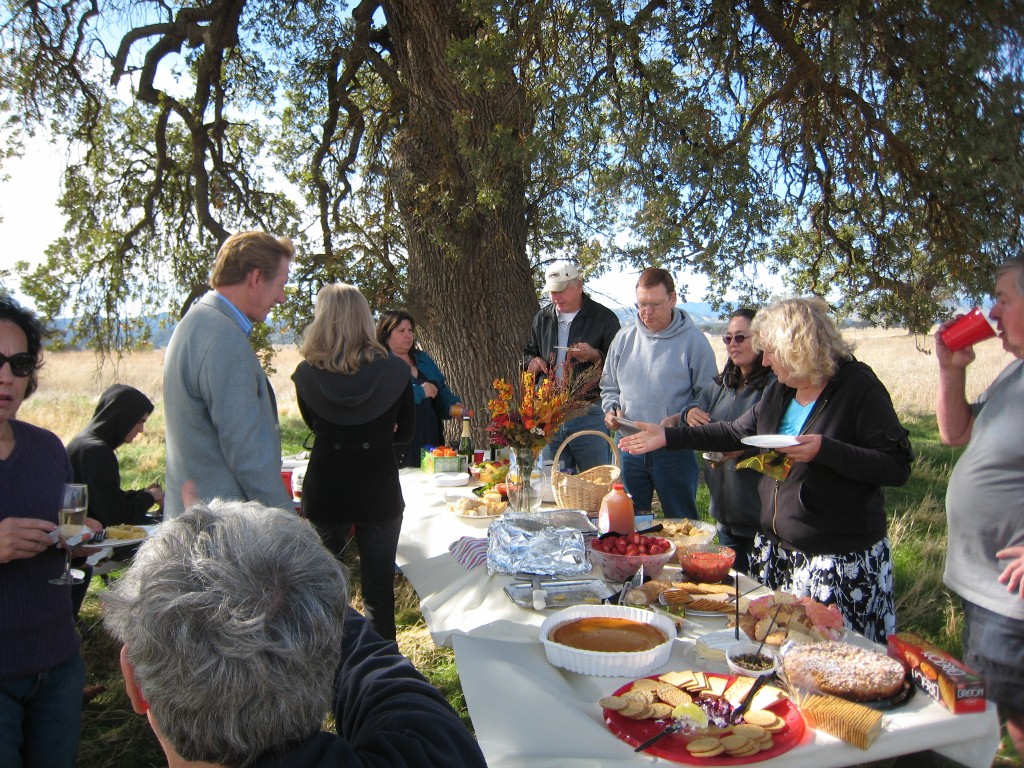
(621, 555)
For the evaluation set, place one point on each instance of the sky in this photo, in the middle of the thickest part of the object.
(28, 205)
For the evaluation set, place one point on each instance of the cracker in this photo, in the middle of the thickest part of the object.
(761, 717)
(646, 684)
(753, 749)
(704, 745)
(750, 731)
(639, 694)
(660, 711)
(615, 703)
(631, 709)
(643, 714)
(710, 753)
(735, 741)
(672, 695)
(676, 678)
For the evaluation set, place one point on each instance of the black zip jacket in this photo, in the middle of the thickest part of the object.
(833, 504)
(595, 324)
(94, 463)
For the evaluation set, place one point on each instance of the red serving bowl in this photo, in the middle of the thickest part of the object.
(707, 564)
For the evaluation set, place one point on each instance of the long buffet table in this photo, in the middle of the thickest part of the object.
(529, 713)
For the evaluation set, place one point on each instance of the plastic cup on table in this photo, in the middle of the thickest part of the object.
(967, 330)
(478, 457)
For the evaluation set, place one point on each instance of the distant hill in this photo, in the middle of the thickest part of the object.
(160, 332)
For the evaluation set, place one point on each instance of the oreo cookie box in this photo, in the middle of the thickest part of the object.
(946, 679)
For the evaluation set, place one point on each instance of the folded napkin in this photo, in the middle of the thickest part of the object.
(469, 551)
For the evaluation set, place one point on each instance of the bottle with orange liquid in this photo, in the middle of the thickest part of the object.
(616, 511)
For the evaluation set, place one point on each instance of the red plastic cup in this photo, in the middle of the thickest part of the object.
(967, 330)
(286, 478)
(478, 457)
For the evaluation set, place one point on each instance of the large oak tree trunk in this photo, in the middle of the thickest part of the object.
(470, 284)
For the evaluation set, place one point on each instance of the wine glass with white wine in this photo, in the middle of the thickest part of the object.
(73, 509)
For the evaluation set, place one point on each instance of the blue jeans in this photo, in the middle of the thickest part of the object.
(994, 646)
(585, 452)
(673, 474)
(41, 717)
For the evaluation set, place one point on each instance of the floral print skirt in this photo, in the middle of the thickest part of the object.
(859, 584)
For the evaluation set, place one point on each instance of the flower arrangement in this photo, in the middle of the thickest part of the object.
(528, 418)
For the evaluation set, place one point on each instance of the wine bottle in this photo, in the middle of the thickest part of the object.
(466, 442)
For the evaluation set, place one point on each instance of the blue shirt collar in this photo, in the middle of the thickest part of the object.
(244, 322)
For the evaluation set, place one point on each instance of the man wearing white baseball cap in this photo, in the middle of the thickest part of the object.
(576, 330)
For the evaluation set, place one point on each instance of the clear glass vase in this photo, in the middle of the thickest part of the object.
(524, 497)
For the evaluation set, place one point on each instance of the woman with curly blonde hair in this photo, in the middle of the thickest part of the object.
(358, 401)
(836, 441)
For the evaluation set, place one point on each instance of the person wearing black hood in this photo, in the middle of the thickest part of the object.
(358, 400)
(119, 418)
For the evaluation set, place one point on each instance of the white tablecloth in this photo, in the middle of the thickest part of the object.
(529, 713)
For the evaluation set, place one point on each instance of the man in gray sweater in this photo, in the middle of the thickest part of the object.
(654, 369)
(220, 410)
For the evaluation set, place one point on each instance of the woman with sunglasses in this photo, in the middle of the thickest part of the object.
(41, 671)
(735, 503)
(836, 441)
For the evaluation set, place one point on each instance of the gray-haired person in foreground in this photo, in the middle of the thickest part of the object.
(238, 639)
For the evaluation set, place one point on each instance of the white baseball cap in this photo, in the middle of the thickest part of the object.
(559, 274)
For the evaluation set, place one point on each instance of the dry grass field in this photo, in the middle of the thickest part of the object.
(70, 383)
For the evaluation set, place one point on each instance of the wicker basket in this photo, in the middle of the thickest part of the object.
(585, 490)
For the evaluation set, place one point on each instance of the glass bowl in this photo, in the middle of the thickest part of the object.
(698, 533)
(708, 564)
(623, 567)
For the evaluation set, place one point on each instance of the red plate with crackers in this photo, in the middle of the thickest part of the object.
(674, 746)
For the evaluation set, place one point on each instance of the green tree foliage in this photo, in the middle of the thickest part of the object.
(434, 153)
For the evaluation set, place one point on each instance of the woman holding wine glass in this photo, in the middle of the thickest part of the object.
(41, 671)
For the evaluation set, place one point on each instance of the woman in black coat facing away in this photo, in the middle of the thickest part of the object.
(358, 401)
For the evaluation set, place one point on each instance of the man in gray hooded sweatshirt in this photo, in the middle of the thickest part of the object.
(654, 369)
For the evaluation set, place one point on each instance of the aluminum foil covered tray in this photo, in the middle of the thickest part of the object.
(545, 543)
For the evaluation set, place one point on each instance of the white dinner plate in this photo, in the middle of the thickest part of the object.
(108, 542)
(770, 441)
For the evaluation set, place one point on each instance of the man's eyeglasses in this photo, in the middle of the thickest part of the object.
(22, 364)
(739, 338)
(650, 306)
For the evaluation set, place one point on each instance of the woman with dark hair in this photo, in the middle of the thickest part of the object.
(41, 670)
(358, 401)
(735, 503)
(396, 330)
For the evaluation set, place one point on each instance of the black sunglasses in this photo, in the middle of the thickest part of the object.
(739, 338)
(22, 364)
